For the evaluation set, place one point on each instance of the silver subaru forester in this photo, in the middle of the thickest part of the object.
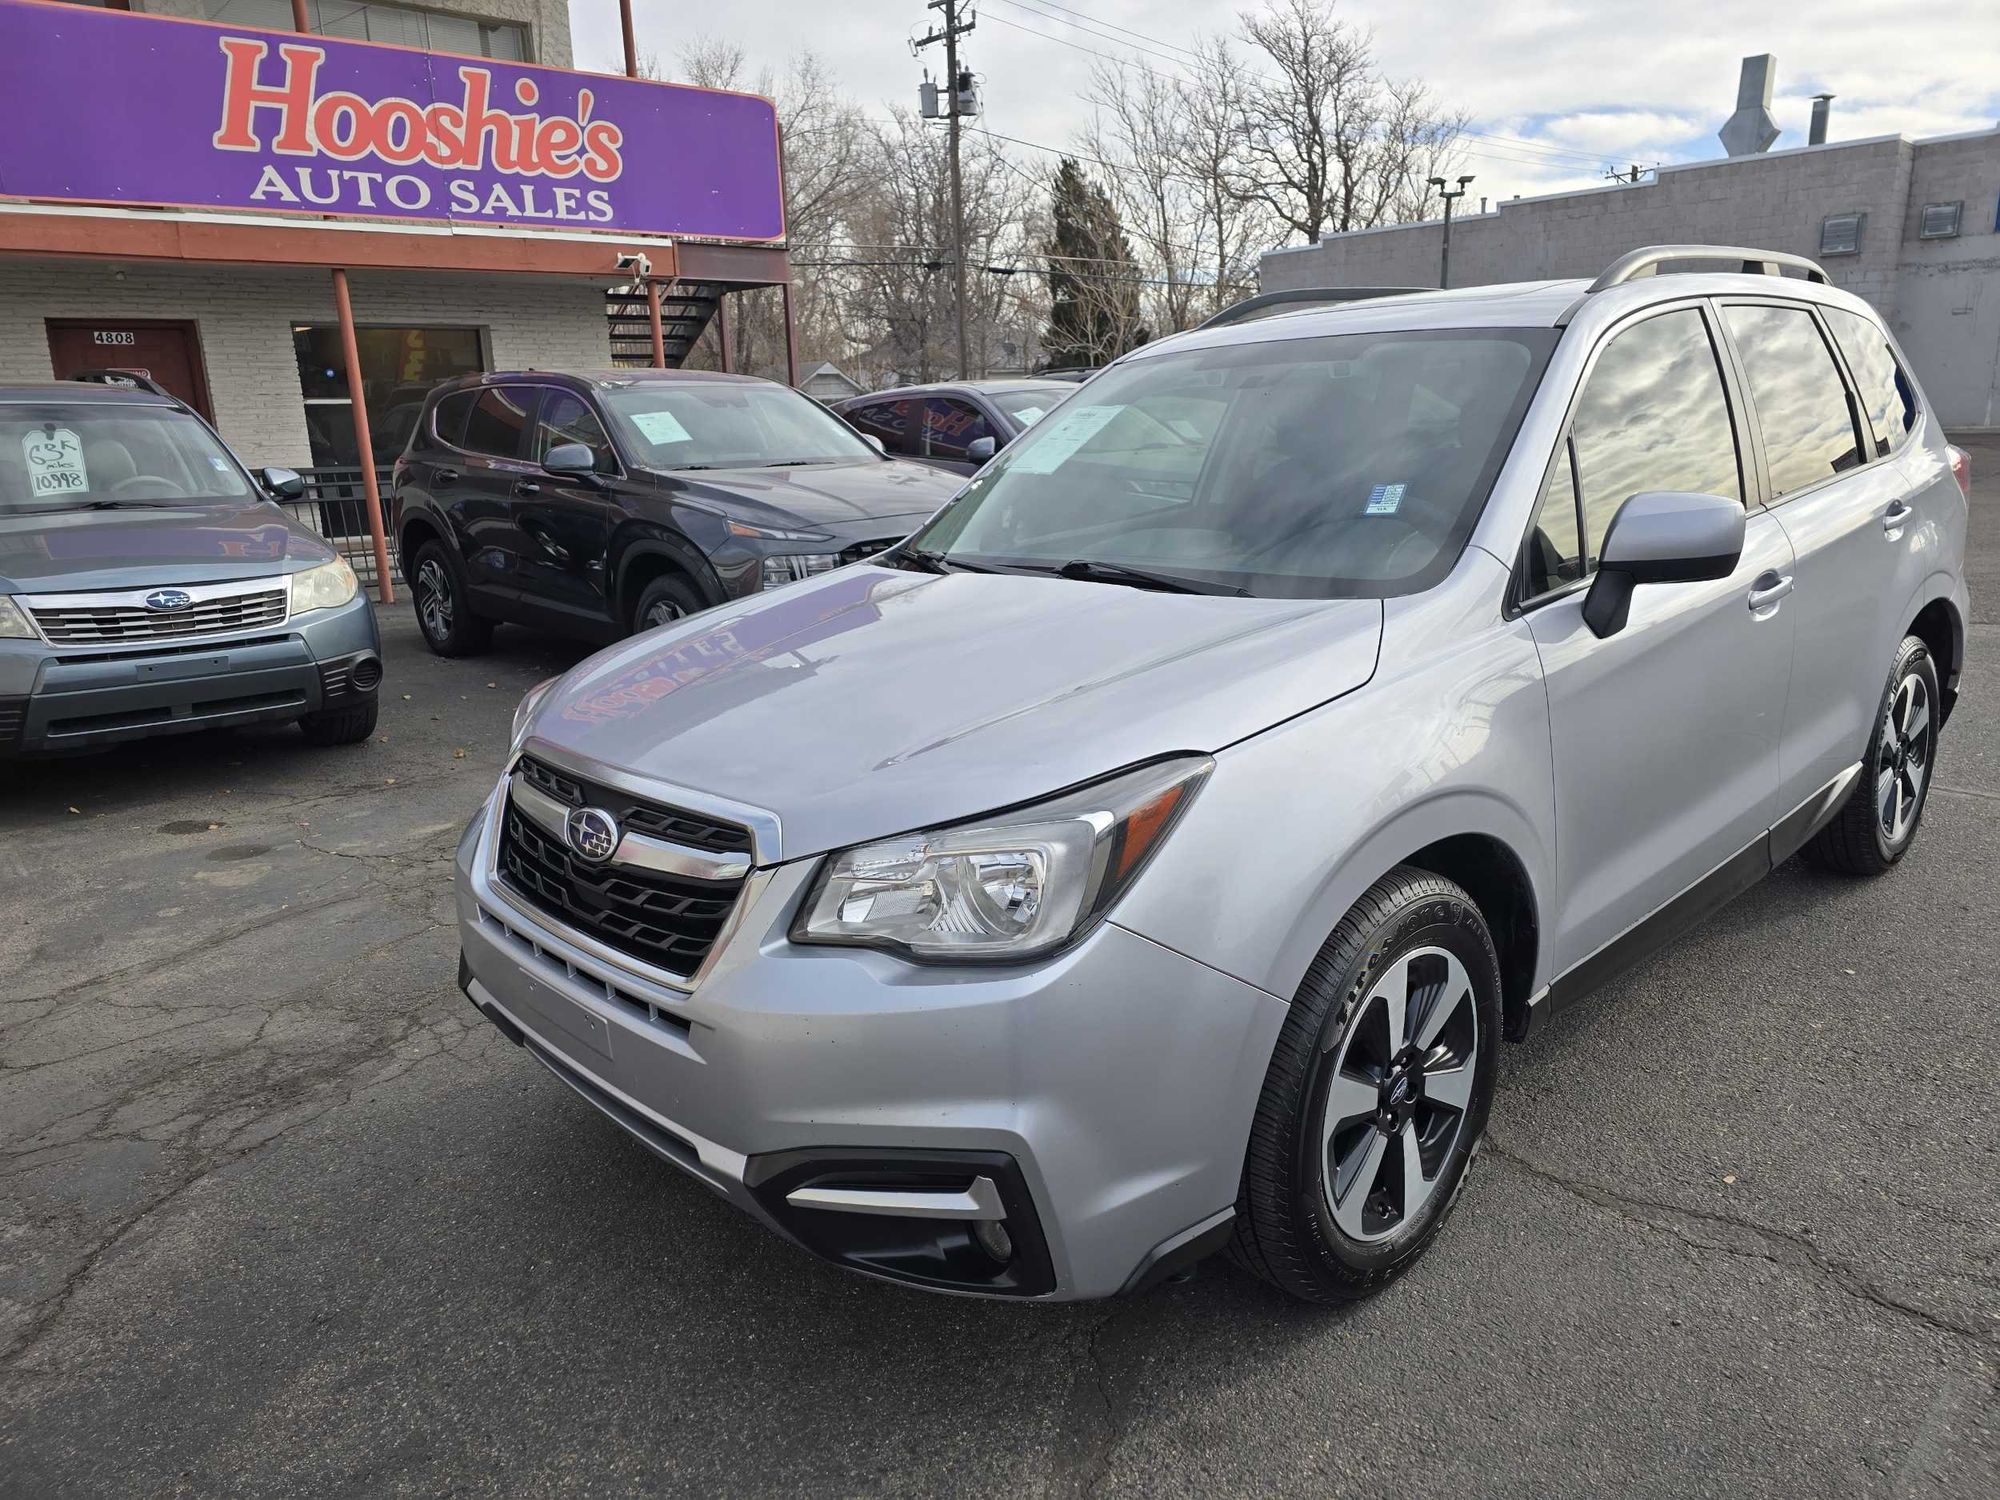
(1150, 854)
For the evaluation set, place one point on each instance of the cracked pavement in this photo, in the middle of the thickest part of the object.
(280, 1215)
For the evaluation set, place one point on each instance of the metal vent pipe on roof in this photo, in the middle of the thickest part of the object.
(1822, 107)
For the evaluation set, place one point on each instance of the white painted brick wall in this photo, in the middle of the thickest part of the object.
(244, 319)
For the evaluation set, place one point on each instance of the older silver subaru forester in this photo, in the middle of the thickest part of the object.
(1150, 854)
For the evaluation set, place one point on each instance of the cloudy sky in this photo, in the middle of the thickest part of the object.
(1558, 89)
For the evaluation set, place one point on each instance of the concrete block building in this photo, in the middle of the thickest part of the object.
(1913, 226)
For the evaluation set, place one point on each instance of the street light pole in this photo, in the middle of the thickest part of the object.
(1450, 197)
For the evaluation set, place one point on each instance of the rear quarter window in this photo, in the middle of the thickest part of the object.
(1888, 396)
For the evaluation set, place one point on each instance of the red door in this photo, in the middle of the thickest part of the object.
(166, 352)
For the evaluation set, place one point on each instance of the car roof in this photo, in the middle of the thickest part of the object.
(984, 387)
(601, 379)
(83, 391)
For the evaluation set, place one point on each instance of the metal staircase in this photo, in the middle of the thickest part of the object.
(686, 310)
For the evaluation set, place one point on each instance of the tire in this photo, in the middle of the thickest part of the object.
(341, 726)
(1345, 1241)
(663, 601)
(443, 605)
(1877, 824)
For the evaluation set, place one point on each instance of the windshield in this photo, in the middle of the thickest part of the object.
(1026, 407)
(71, 456)
(1297, 468)
(726, 425)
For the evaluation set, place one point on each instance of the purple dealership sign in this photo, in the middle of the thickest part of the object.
(102, 106)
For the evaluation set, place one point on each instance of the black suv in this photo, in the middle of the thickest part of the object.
(601, 504)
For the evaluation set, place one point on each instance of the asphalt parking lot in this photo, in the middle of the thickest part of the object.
(279, 1214)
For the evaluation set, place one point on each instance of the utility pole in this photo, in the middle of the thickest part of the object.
(1444, 260)
(955, 92)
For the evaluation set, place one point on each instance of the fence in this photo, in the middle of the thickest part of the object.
(333, 506)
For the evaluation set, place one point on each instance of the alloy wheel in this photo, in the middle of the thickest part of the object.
(1907, 739)
(660, 612)
(1396, 1102)
(434, 605)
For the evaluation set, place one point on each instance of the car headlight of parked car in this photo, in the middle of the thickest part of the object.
(14, 622)
(789, 568)
(1007, 888)
(324, 587)
(524, 711)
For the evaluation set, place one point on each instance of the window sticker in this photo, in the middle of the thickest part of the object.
(1028, 416)
(660, 427)
(1058, 444)
(1384, 500)
(218, 463)
(54, 456)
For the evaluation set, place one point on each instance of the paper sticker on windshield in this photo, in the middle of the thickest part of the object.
(1028, 416)
(660, 426)
(1058, 442)
(54, 456)
(1384, 500)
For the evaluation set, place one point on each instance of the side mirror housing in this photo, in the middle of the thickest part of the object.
(573, 460)
(282, 484)
(981, 449)
(1661, 536)
(874, 442)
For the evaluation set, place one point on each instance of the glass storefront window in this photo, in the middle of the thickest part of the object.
(375, 21)
(398, 368)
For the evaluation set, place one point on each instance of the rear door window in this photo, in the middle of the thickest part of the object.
(1888, 398)
(449, 419)
(1799, 397)
(499, 420)
(888, 422)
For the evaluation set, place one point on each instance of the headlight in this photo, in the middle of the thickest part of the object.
(14, 622)
(1006, 888)
(779, 571)
(524, 711)
(324, 587)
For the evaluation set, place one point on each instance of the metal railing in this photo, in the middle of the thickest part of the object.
(333, 506)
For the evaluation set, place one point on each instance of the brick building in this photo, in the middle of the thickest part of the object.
(1910, 225)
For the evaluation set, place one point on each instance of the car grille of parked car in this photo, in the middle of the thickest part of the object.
(665, 921)
(105, 623)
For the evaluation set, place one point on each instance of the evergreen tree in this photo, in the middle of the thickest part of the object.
(1093, 276)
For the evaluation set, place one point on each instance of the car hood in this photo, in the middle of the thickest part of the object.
(875, 701)
(831, 495)
(88, 550)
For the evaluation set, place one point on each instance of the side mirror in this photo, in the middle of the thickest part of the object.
(980, 449)
(282, 484)
(1661, 536)
(573, 460)
(874, 442)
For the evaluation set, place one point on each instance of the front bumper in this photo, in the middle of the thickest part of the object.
(1103, 1097)
(55, 699)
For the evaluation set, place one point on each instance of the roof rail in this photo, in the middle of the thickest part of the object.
(1647, 262)
(1265, 303)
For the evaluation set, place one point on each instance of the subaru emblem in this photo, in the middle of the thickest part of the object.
(167, 601)
(592, 834)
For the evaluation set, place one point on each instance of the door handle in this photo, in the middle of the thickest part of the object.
(1894, 517)
(526, 487)
(1769, 588)
(444, 476)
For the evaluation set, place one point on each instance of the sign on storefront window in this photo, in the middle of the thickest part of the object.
(110, 107)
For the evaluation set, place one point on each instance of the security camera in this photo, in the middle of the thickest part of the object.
(638, 265)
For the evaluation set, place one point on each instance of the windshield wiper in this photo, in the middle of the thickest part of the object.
(1092, 571)
(57, 510)
(794, 463)
(937, 562)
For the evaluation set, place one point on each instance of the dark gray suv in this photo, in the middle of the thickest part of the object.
(149, 586)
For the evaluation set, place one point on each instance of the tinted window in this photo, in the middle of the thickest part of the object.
(888, 421)
(62, 456)
(726, 425)
(567, 418)
(951, 426)
(1352, 465)
(1555, 546)
(1797, 391)
(449, 421)
(1652, 416)
(1887, 397)
(497, 420)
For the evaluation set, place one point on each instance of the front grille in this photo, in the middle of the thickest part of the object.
(80, 624)
(666, 921)
(676, 825)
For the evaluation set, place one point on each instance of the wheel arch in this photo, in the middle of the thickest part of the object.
(1498, 882)
(647, 559)
(1939, 626)
(417, 528)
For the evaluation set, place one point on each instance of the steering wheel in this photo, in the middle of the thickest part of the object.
(159, 489)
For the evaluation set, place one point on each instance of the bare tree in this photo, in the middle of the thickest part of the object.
(1139, 132)
(1329, 144)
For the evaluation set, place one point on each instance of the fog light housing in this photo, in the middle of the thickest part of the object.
(992, 1237)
